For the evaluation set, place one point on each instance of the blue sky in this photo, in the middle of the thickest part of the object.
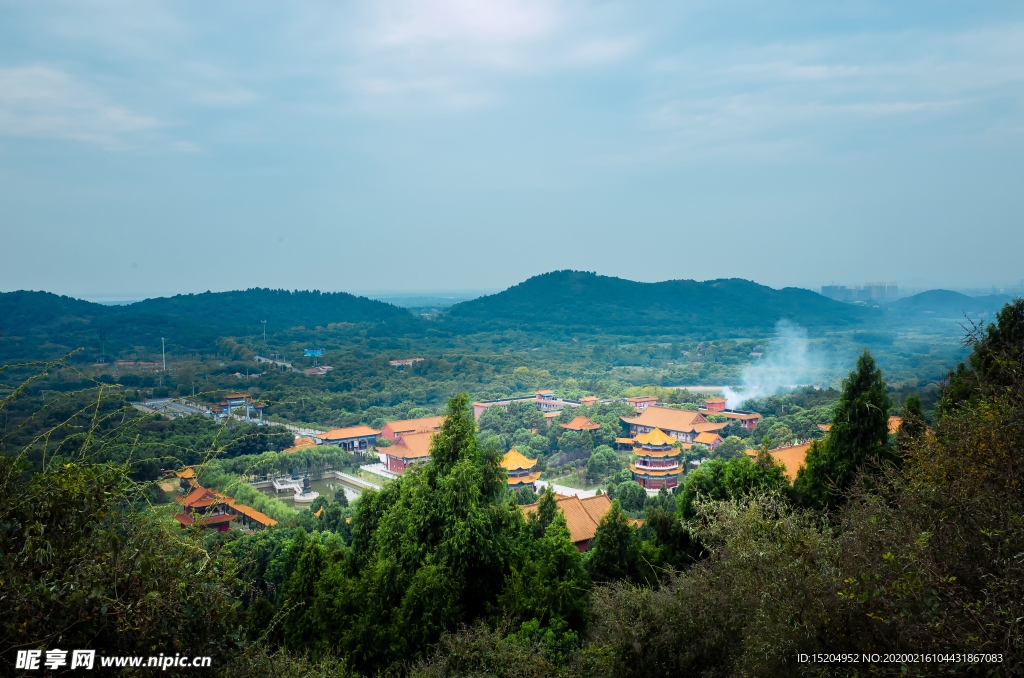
(161, 147)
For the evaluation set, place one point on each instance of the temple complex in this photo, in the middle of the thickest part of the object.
(656, 463)
(394, 429)
(582, 516)
(520, 470)
(351, 439)
(581, 424)
(683, 425)
(408, 450)
(747, 418)
(211, 509)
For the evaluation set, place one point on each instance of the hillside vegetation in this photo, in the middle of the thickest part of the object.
(582, 302)
(193, 322)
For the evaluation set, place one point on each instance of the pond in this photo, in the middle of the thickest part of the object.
(326, 487)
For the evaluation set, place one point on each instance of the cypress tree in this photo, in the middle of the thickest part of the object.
(860, 431)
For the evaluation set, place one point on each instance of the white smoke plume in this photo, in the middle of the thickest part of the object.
(788, 362)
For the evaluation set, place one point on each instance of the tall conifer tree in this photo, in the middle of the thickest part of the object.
(860, 431)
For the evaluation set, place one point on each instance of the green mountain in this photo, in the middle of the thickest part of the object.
(37, 324)
(582, 302)
(947, 303)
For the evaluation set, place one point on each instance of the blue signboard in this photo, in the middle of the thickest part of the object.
(312, 352)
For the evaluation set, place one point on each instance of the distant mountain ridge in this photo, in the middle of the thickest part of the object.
(949, 303)
(585, 302)
(193, 322)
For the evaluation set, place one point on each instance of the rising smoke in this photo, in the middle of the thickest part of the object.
(788, 362)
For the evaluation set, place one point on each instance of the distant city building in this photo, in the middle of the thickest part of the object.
(404, 363)
(872, 291)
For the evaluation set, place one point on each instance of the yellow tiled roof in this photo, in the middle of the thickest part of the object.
(671, 452)
(514, 461)
(530, 478)
(647, 472)
(655, 437)
(409, 425)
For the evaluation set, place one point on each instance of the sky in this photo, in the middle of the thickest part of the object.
(151, 148)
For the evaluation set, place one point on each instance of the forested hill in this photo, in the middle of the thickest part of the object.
(35, 324)
(948, 303)
(585, 302)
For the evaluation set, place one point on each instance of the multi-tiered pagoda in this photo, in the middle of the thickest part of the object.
(656, 462)
(520, 471)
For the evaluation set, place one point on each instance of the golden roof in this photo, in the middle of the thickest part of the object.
(656, 474)
(187, 472)
(514, 461)
(656, 437)
(670, 452)
(529, 478)
(707, 438)
(261, 518)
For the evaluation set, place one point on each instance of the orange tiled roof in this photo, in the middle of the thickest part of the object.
(656, 438)
(261, 518)
(587, 400)
(413, 425)
(597, 506)
(201, 497)
(792, 457)
(581, 424)
(301, 443)
(707, 438)
(551, 415)
(667, 419)
(350, 432)
(701, 428)
(715, 400)
(187, 519)
(237, 396)
(187, 472)
(624, 441)
(515, 461)
(732, 415)
(581, 525)
(411, 446)
(894, 424)
(825, 427)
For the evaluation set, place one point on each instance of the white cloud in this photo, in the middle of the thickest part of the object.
(37, 101)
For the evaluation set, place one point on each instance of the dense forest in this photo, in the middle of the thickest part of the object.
(885, 544)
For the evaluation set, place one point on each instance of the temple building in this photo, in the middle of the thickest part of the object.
(351, 439)
(410, 449)
(211, 509)
(520, 471)
(790, 457)
(683, 425)
(656, 462)
(394, 429)
(710, 438)
(582, 516)
(747, 419)
(581, 424)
